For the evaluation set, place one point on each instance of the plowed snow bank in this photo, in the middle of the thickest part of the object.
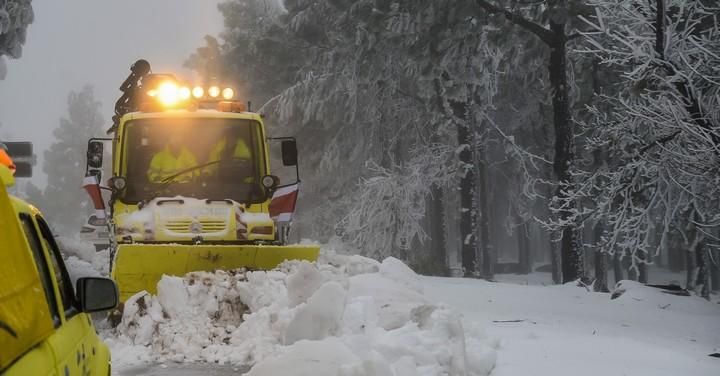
(346, 315)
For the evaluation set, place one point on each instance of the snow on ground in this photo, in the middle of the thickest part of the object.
(567, 330)
(349, 315)
(656, 275)
(345, 315)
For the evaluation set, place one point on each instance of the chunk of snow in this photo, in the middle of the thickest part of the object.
(319, 317)
(303, 283)
(396, 270)
(173, 296)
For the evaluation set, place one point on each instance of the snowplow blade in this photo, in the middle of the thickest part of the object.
(139, 267)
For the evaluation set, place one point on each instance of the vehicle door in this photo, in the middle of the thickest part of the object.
(75, 342)
(25, 318)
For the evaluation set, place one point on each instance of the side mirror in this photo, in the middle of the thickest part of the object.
(95, 154)
(289, 153)
(97, 294)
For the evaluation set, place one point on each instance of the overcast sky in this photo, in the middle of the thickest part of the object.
(78, 42)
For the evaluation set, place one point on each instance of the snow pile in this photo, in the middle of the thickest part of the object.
(82, 260)
(345, 315)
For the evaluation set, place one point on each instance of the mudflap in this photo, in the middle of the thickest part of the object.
(139, 267)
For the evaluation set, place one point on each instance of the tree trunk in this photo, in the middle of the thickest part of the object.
(691, 262)
(524, 249)
(715, 270)
(486, 259)
(468, 213)
(703, 275)
(601, 282)
(564, 152)
(676, 254)
(617, 267)
(555, 263)
(437, 231)
(642, 267)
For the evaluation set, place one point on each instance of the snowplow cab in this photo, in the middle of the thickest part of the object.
(191, 186)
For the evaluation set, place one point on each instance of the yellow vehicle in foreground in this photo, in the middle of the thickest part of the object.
(191, 188)
(45, 328)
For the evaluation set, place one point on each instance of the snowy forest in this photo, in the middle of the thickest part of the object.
(486, 187)
(477, 137)
(471, 137)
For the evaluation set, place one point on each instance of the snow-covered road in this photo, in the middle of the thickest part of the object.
(566, 330)
(360, 317)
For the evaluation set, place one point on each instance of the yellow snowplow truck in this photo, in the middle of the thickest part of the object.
(191, 187)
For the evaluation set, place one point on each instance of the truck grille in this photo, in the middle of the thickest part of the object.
(183, 226)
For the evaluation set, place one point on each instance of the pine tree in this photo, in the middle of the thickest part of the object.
(63, 200)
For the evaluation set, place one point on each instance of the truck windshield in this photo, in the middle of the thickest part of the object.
(194, 157)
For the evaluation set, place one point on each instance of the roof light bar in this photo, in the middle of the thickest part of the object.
(170, 94)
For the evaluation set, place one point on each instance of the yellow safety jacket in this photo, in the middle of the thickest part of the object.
(164, 164)
(241, 151)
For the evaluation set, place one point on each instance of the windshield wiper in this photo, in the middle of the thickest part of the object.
(166, 181)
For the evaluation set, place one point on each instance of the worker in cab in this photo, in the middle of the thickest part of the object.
(5, 159)
(235, 152)
(171, 160)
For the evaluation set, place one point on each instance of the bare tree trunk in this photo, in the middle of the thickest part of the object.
(696, 240)
(468, 212)
(642, 267)
(703, 275)
(715, 270)
(564, 151)
(617, 267)
(555, 263)
(691, 262)
(601, 281)
(437, 231)
(487, 262)
(524, 249)
(632, 273)
(676, 254)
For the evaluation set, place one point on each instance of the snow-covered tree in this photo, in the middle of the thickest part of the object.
(15, 16)
(555, 24)
(63, 200)
(659, 128)
(390, 79)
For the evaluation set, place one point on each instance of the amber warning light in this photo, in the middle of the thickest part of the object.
(170, 94)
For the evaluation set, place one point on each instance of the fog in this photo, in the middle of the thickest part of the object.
(77, 42)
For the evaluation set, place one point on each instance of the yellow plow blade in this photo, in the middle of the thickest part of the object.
(139, 267)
